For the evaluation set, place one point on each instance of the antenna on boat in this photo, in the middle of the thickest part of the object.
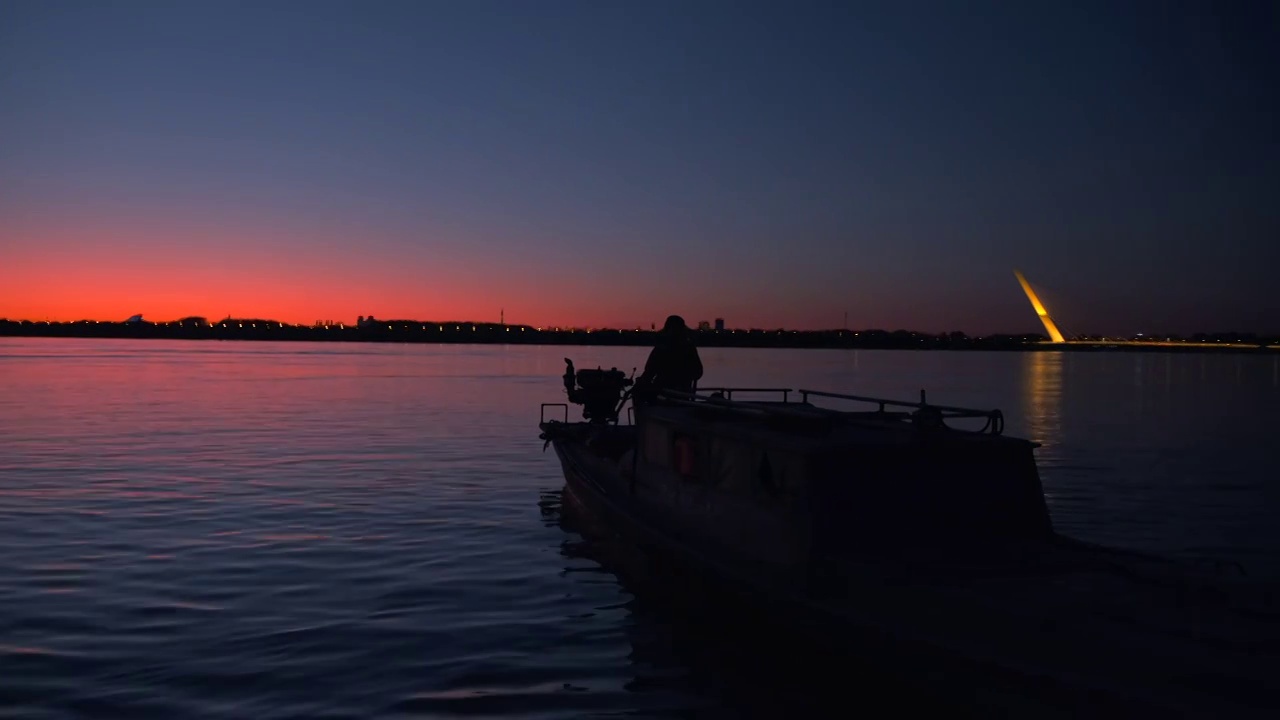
(928, 418)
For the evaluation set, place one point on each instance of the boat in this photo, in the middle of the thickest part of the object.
(922, 526)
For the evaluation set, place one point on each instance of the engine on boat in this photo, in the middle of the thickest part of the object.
(598, 391)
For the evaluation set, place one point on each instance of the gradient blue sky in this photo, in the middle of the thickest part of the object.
(608, 163)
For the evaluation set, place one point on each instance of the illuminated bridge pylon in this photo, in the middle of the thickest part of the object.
(1049, 325)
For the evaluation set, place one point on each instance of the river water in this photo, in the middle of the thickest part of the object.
(262, 530)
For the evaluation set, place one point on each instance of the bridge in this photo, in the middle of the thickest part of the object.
(1057, 338)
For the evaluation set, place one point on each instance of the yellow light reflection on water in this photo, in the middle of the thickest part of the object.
(1042, 396)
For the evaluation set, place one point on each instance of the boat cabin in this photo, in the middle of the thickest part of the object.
(785, 480)
(891, 475)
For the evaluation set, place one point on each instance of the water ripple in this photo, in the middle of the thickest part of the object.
(280, 531)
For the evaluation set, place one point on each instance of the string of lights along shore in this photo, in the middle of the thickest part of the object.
(709, 332)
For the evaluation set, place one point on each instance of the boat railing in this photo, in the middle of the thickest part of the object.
(923, 411)
(883, 403)
(737, 407)
(563, 406)
(727, 392)
(994, 418)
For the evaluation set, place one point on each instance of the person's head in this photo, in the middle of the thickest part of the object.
(675, 327)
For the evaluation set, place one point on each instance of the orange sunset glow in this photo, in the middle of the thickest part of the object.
(109, 268)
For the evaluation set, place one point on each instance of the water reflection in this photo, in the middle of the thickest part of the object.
(692, 654)
(146, 477)
(1042, 397)
(1137, 383)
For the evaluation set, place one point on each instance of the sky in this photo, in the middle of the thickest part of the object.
(608, 163)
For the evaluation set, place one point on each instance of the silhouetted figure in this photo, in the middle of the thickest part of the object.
(673, 363)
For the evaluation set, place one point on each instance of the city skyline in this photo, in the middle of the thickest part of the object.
(1032, 322)
(1037, 309)
(705, 334)
(600, 164)
(701, 326)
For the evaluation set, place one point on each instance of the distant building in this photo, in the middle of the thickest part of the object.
(719, 324)
(704, 325)
(135, 319)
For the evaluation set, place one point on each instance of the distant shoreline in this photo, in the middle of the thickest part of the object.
(495, 334)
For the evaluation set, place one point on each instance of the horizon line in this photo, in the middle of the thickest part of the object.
(459, 324)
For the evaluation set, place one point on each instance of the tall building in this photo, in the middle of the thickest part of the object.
(704, 325)
(719, 324)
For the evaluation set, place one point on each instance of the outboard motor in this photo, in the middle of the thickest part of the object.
(598, 391)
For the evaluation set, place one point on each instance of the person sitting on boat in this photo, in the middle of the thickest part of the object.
(673, 363)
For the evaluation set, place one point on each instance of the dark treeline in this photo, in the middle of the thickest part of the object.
(407, 331)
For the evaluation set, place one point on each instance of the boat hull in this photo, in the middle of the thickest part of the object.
(1049, 620)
